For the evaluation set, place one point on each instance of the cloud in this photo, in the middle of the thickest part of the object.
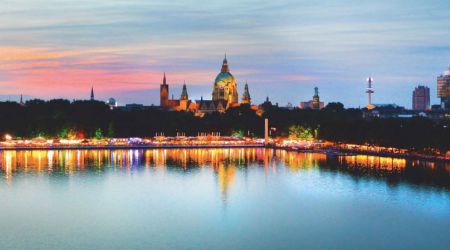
(300, 78)
(51, 46)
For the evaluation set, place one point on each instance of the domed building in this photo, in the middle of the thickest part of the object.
(112, 103)
(225, 87)
(224, 95)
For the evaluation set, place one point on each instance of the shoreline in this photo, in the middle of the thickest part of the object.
(113, 147)
(331, 151)
(346, 152)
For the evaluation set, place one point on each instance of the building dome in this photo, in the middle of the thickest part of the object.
(224, 79)
(225, 87)
(112, 101)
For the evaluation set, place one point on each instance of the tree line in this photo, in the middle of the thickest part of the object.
(88, 119)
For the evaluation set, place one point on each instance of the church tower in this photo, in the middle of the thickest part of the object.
(92, 94)
(164, 93)
(184, 99)
(246, 96)
(184, 94)
(316, 99)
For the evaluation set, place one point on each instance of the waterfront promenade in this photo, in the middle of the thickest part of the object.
(215, 142)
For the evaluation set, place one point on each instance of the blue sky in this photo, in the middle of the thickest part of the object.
(51, 49)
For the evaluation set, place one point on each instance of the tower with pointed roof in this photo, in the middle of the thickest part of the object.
(92, 94)
(164, 93)
(21, 101)
(246, 95)
(184, 98)
(184, 94)
(225, 65)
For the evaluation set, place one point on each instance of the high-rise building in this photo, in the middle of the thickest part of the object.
(421, 98)
(443, 89)
(164, 93)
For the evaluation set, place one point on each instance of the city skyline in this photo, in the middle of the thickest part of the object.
(283, 50)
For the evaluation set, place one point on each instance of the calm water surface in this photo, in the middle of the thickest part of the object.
(220, 199)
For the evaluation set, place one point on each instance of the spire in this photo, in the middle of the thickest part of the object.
(184, 94)
(164, 79)
(21, 100)
(316, 91)
(225, 65)
(92, 93)
(246, 95)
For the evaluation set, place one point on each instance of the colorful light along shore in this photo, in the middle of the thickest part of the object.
(211, 140)
(8, 137)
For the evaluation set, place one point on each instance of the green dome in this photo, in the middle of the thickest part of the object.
(224, 79)
(225, 88)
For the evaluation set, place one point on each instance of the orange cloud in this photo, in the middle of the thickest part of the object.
(19, 53)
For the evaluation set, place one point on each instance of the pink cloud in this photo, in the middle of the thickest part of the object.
(52, 74)
(300, 78)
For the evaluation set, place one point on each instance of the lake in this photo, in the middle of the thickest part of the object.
(250, 198)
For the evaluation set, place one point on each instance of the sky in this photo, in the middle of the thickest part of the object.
(59, 49)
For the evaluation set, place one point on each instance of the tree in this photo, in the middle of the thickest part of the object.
(98, 134)
(299, 132)
(110, 130)
(64, 134)
(334, 107)
(238, 133)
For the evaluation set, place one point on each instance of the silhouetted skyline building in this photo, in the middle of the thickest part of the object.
(443, 89)
(164, 93)
(92, 94)
(421, 98)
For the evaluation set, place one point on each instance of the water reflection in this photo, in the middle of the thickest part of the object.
(224, 163)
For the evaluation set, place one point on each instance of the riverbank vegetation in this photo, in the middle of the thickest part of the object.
(92, 119)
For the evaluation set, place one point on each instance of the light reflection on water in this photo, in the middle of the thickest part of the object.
(71, 161)
(202, 198)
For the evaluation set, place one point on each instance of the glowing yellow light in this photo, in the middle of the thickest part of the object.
(8, 137)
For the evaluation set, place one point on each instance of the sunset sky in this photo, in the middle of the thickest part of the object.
(59, 49)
